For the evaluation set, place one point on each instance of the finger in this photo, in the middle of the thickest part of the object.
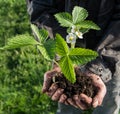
(57, 94)
(48, 79)
(78, 102)
(87, 100)
(47, 82)
(98, 99)
(101, 91)
(95, 103)
(71, 102)
(62, 98)
(52, 89)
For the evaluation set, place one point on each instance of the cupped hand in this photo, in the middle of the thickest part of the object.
(81, 101)
(101, 89)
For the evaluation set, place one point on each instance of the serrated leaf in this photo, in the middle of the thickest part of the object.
(50, 48)
(84, 30)
(41, 34)
(44, 52)
(88, 25)
(65, 19)
(35, 31)
(79, 14)
(47, 49)
(20, 41)
(81, 56)
(61, 46)
(67, 69)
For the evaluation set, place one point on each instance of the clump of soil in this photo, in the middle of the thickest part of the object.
(83, 84)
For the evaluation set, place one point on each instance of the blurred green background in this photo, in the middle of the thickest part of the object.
(21, 70)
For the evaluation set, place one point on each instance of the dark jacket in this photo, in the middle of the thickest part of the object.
(105, 13)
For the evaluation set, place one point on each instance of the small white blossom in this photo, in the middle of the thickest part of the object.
(74, 29)
(71, 38)
(79, 34)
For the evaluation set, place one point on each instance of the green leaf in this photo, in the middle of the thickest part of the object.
(84, 30)
(44, 52)
(50, 48)
(20, 41)
(62, 48)
(47, 49)
(67, 68)
(41, 34)
(81, 56)
(65, 19)
(79, 14)
(35, 31)
(88, 25)
(68, 30)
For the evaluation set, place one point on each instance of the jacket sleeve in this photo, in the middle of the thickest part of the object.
(42, 14)
(107, 65)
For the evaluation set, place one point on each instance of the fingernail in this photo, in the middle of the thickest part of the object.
(95, 103)
(54, 98)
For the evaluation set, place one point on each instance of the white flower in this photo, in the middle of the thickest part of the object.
(79, 34)
(76, 31)
(71, 38)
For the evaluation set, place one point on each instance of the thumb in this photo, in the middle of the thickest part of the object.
(48, 79)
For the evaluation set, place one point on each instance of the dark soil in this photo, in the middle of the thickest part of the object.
(83, 84)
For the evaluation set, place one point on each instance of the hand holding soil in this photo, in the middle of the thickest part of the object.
(88, 91)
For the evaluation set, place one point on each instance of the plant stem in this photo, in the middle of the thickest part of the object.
(56, 62)
(72, 45)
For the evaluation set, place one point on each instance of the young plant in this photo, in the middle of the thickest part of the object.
(49, 48)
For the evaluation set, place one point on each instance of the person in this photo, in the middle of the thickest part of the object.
(106, 67)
